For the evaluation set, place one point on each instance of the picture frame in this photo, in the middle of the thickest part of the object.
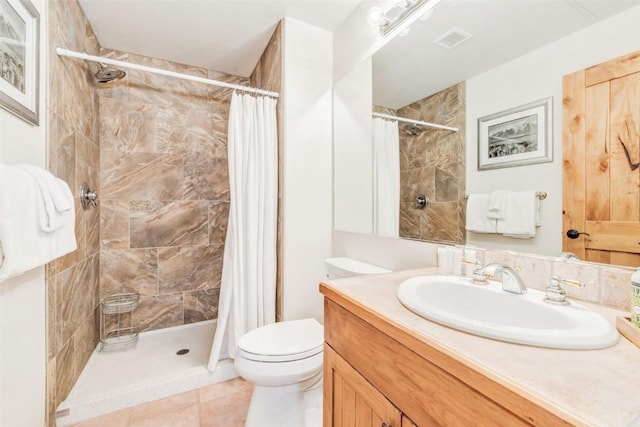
(519, 136)
(19, 59)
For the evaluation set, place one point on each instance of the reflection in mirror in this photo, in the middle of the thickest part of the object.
(431, 164)
(518, 52)
(386, 177)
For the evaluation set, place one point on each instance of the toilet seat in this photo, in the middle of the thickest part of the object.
(282, 342)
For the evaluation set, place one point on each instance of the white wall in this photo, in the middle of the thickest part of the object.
(353, 151)
(22, 299)
(535, 76)
(355, 40)
(528, 78)
(307, 197)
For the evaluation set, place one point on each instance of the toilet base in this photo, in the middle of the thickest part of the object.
(287, 406)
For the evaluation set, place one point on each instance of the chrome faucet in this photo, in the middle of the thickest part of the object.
(511, 281)
(555, 294)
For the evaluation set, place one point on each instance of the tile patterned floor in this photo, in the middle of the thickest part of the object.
(219, 405)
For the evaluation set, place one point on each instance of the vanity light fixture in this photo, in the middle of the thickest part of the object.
(400, 16)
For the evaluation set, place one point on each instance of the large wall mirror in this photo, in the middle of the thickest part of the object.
(468, 59)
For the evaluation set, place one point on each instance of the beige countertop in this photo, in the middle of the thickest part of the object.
(584, 387)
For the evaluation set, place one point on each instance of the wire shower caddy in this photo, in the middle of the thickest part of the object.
(117, 332)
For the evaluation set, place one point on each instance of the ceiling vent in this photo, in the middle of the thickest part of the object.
(452, 38)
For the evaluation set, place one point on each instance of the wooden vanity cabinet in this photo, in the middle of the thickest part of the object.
(376, 372)
(353, 400)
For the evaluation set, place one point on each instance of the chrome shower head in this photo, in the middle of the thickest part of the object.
(412, 130)
(106, 74)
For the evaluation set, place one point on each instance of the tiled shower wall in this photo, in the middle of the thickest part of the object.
(164, 191)
(433, 163)
(72, 281)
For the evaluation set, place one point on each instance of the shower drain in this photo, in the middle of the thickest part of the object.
(182, 352)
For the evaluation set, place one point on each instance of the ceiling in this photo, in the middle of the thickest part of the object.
(221, 35)
(230, 35)
(412, 67)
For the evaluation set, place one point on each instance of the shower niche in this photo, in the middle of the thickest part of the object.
(117, 331)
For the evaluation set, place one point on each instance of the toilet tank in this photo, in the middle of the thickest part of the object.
(347, 267)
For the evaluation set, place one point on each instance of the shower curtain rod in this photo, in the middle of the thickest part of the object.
(415, 122)
(99, 59)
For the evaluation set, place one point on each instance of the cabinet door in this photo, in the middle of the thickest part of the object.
(350, 400)
(406, 422)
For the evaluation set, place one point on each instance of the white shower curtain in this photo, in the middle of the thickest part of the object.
(386, 178)
(247, 290)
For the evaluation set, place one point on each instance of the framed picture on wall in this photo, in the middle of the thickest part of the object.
(519, 136)
(19, 53)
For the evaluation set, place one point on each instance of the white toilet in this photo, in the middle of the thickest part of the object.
(284, 361)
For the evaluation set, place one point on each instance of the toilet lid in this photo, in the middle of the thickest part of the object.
(283, 341)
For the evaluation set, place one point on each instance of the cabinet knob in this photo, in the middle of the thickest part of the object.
(385, 425)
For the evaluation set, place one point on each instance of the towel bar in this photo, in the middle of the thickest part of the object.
(541, 195)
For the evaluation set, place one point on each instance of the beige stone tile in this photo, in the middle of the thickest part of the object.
(85, 340)
(131, 131)
(52, 321)
(87, 164)
(206, 178)
(236, 417)
(234, 386)
(409, 220)
(227, 410)
(65, 377)
(113, 419)
(92, 224)
(586, 273)
(62, 140)
(51, 392)
(163, 406)
(129, 270)
(218, 219)
(446, 183)
(158, 312)
(114, 224)
(185, 417)
(535, 271)
(616, 287)
(176, 223)
(509, 258)
(76, 256)
(75, 296)
(440, 222)
(201, 305)
(187, 268)
(141, 176)
(220, 124)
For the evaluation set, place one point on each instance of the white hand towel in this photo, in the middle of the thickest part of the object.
(496, 207)
(521, 215)
(477, 220)
(25, 245)
(56, 196)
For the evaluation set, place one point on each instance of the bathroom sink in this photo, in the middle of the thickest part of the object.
(489, 311)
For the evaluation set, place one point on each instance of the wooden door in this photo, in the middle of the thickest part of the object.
(350, 400)
(601, 159)
(406, 422)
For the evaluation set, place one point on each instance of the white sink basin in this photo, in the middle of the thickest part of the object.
(489, 311)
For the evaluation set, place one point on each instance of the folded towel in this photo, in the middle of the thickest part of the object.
(521, 215)
(25, 244)
(55, 194)
(496, 206)
(477, 220)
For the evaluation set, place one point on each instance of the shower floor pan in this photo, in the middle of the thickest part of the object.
(151, 371)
